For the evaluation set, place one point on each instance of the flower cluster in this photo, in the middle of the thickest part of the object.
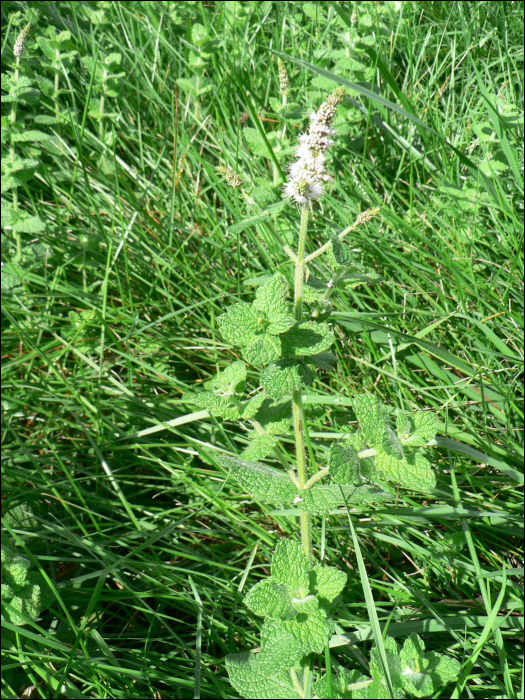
(308, 173)
(284, 81)
(20, 43)
(229, 174)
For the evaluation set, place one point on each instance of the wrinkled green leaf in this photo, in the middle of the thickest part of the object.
(265, 484)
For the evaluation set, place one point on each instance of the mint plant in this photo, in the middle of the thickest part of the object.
(284, 334)
(20, 91)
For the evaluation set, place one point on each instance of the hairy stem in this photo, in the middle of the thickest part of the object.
(299, 268)
(297, 399)
(12, 156)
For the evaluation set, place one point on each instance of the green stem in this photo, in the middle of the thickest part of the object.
(297, 399)
(12, 155)
(299, 265)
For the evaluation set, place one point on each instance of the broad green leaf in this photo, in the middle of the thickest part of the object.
(327, 582)
(272, 210)
(311, 627)
(322, 499)
(259, 448)
(416, 429)
(422, 673)
(227, 381)
(372, 419)
(323, 360)
(290, 568)
(340, 251)
(253, 405)
(311, 296)
(264, 351)
(309, 338)
(343, 464)
(270, 298)
(412, 471)
(368, 494)
(22, 589)
(268, 599)
(280, 323)
(280, 650)
(250, 681)
(340, 683)
(255, 142)
(239, 324)
(275, 416)
(31, 136)
(265, 484)
(275, 104)
(217, 405)
(282, 378)
(379, 689)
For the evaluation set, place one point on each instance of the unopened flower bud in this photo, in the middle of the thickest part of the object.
(20, 43)
(284, 81)
(353, 18)
(231, 177)
(367, 215)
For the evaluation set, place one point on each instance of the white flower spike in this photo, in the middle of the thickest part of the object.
(308, 173)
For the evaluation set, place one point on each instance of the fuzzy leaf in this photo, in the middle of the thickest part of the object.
(253, 405)
(275, 416)
(372, 419)
(368, 494)
(394, 666)
(280, 323)
(327, 582)
(241, 225)
(290, 568)
(412, 471)
(270, 298)
(259, 448)
(424, 673)
(311, 627)
(264, 351)
(309, 338)
(268, 599)
(250, 681)
(416, 429)
(255, 141)
(311, 295)
(239, 324)
(343, 463)
(22, 589)
(265, 484)
(217, 405)
(275, 104)
(282, 378)
(322, 499)
(226, 382)
(271, 210)
(323, 360)
(340, 684)
(280, 650)
(341, 252)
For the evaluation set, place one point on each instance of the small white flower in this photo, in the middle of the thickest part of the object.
(308, 172)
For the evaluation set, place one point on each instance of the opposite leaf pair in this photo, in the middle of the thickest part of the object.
(294, 600)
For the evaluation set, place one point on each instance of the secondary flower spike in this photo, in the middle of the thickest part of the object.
(308, 173)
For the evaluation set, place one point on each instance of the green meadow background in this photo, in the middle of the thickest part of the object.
(110, 488)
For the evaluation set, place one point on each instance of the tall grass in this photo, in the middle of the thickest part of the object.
(109, 315)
